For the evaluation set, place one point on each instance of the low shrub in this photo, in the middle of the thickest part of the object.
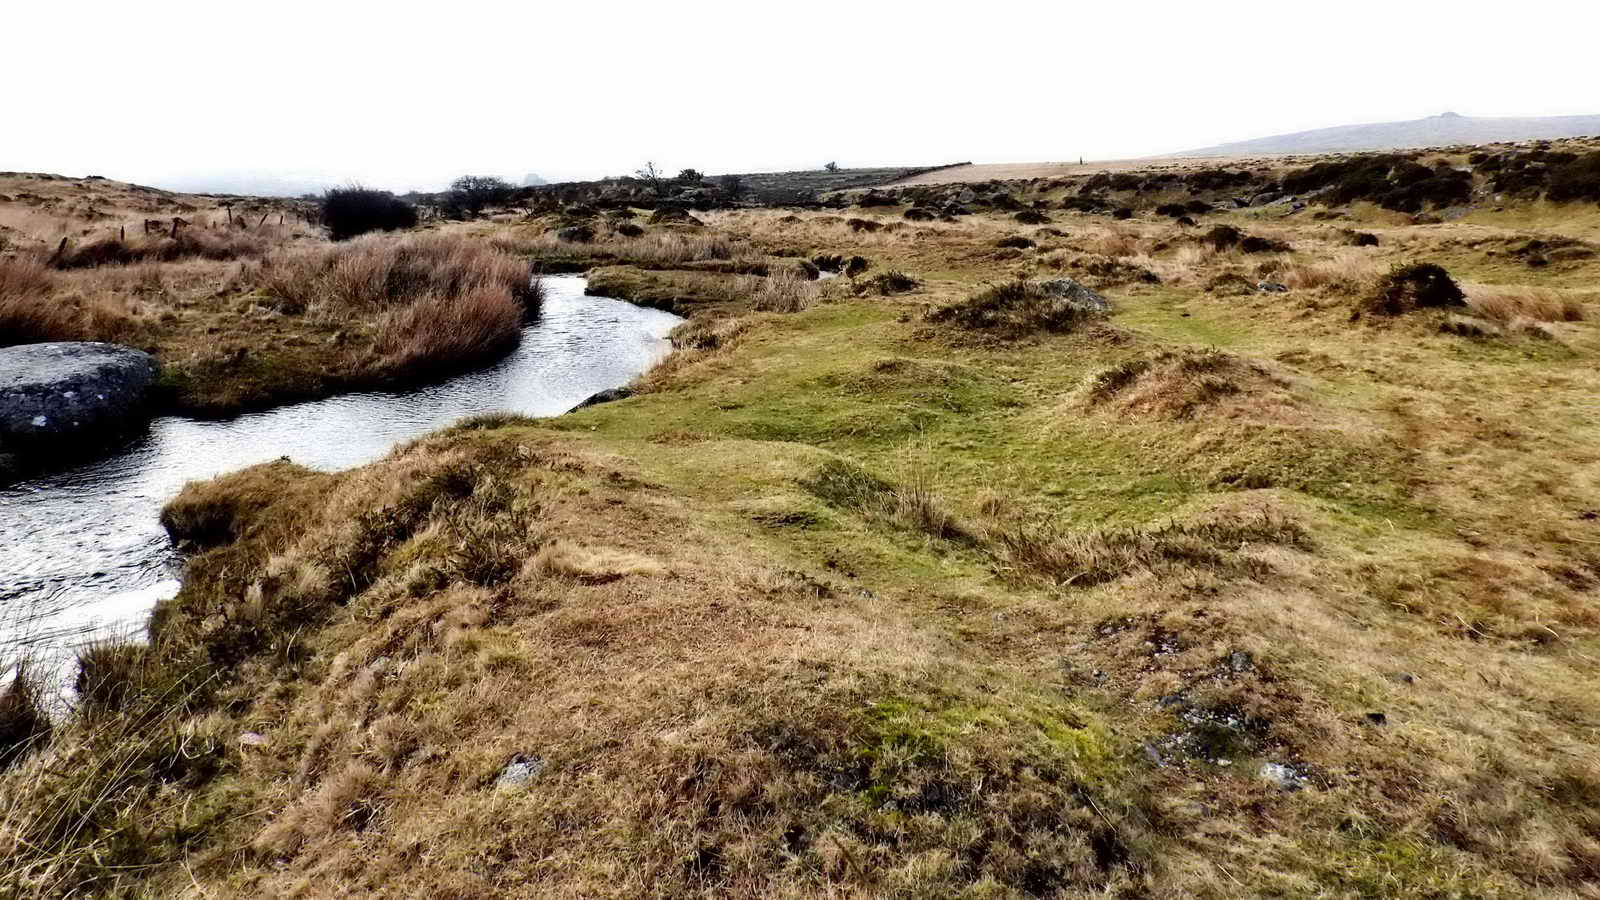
(1576, 179)
(1389, 180)
(352, 211)
(1223, 237)
(866, 225)
(1032, 217)
(918, 214)
(1411, 287)
(891, 282)
(1015, 241)
(1172, 210)
(1121, 213)
(1254, 244)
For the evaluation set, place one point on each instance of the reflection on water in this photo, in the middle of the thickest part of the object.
(81, 550)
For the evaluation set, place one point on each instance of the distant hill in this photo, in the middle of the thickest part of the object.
(1434, 131)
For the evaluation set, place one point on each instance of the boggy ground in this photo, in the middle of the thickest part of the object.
(1233, 592)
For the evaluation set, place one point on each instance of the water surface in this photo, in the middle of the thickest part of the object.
(82, 552)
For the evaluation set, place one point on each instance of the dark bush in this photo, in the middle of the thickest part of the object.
(1415, 286)
(1576, 179)
(1216, 179)
(353, 211)
(855, 265)
(1082, 204)
(1186, 222)
(866, 225)
(918, 214)
(1173, 210)
(628, 229)
(1222, 237)
(1031, 217)
(1197, 207)
(1391, 181)
(1122, 212)
(1252, 244)
(577, 234)
(1360, 239)
(469, 194)
(1126, 182)
(1016, 242)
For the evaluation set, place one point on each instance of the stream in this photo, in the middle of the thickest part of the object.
(82, 553)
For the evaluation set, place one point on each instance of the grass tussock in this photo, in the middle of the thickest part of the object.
(26, 316)
(890, 282)
(25, 724)
(1089, 558)
(912, 504)
(786, 291)
(382, 273)
(215, 244)
(442, 302)
(1181, 384)
(1506, 304)
(1016, 308)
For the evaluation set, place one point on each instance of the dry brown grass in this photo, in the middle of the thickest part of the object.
(786, 291)
(1346, 272)
(1506, 304)
(1186, 383)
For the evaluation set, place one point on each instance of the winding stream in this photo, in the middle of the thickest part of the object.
(82, 552)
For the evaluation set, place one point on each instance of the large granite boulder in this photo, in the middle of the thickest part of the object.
(68, 394)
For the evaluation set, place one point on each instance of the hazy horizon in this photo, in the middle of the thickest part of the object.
(406, 99)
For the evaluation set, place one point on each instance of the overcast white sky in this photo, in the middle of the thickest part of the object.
(406, 95)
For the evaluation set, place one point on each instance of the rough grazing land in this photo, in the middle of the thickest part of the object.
(1277, 580)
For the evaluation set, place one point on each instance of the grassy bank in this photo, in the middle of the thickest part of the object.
(914, 587)
(303, 319)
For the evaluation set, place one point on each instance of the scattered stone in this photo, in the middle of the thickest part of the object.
(517, 773)
(1075, 295)
(1240, 661)
(1271, 287)
(610, 395)
(1287, 778)
(252, 739)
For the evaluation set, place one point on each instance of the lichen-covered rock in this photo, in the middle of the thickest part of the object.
(1075, 295)
(61, 394)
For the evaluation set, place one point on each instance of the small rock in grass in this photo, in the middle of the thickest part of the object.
(517, 773)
